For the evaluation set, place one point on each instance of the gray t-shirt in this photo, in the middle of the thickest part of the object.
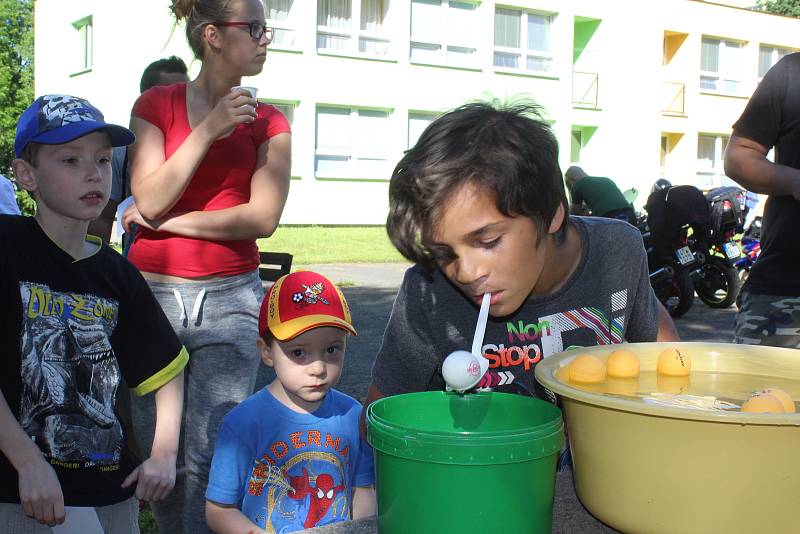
(608, 299)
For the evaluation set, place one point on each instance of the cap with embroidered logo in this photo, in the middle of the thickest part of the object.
(58, 119)
(301, 301)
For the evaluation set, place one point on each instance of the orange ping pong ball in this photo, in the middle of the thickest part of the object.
(763, 403)
(781, 395)
(673, 362)
(587, 369)
(623, 364)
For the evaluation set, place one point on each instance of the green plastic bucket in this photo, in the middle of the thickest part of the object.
(481, 462)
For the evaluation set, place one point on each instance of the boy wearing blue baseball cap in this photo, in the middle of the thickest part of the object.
(78, 318)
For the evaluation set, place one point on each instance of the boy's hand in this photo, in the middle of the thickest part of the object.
(155, 476)
(40, 493)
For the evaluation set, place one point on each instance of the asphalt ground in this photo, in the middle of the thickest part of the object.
(370, 290)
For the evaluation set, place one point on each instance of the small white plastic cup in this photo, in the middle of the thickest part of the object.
(252, 90)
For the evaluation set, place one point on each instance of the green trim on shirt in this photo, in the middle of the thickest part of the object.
(164, 375)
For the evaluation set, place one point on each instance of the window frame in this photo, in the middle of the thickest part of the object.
(445, 45)
(353, 153)
(727, 66)
(775, 50)
(290, 26)
(711, 174)
(522, 52)
(420, 115)
(355, 34)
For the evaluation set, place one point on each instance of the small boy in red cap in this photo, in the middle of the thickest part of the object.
(290, 457)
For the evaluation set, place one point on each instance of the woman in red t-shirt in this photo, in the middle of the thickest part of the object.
(210, 175)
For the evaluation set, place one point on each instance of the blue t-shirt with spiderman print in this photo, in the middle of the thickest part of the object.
(287, 471)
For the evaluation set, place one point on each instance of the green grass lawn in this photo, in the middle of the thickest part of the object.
(147, 524)
(333, 244)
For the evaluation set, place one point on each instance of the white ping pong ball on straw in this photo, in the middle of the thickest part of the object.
(461, 370)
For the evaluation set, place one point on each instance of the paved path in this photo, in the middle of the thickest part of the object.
(370, 290)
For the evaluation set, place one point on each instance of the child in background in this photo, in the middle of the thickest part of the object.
(479, 205)
(290, 457)
(76, 319)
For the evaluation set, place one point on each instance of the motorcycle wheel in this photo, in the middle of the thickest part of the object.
(719, 283)
(675, 291)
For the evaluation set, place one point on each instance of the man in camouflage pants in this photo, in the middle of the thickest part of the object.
(767, 320)
(769, 304)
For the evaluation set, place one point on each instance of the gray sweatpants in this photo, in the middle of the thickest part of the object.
(120, 518)
(217, 322)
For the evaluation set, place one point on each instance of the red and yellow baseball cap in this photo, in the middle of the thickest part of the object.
(301, 301)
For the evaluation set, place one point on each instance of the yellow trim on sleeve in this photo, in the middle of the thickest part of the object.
(164, 375)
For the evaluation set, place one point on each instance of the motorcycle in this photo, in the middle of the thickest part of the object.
(668, 269)
(751, 248)
(717, 282)
(670, 278)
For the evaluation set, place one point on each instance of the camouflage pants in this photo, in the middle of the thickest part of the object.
(768, 320)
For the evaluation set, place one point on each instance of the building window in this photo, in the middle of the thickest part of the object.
(768, 56)
(286, 108)
(353, 26)
(444, 32)
(85, 54)
(281, 16)
(721, 66)
(522, 40)
(710, 151)
(417, 122)
(351, 143)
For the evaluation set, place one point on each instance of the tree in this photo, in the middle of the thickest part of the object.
(16, 77)
(781, 7)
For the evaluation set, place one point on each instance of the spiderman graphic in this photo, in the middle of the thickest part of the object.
(321, 496)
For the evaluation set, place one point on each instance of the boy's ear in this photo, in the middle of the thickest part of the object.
(558, 219)
(266, 352)
(24, 175)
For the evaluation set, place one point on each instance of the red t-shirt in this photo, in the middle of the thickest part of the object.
(222, 180)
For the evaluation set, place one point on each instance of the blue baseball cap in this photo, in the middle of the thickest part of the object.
(58, 119)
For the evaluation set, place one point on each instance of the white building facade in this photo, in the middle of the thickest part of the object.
(634, 89)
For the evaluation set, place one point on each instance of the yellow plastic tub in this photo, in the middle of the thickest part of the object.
(654, 469)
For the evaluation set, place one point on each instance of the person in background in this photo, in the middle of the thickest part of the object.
(209, 175)
(8, 198)
(77, 319)
(599, 195)
(769, 303)
(751, 211)
(304, 325)
(164, 71)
